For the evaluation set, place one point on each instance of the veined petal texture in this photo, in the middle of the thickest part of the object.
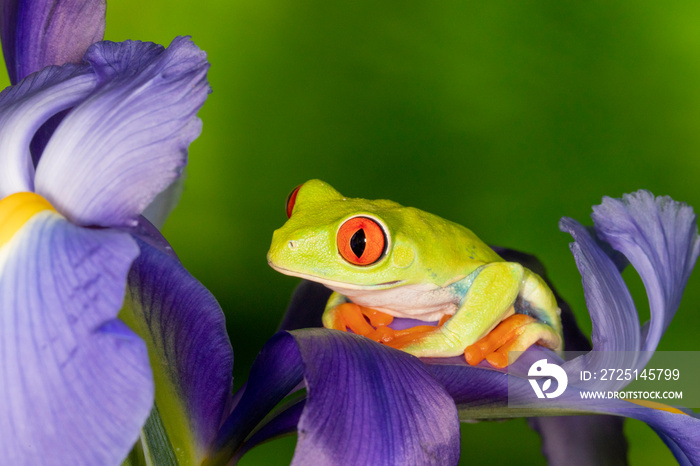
(24, 108)
(370, 404)
(365, 403)
(615, 319)
(190, 352)
(616, 334)
(114, 152)
(483, 393)
(75, 382)
(39, 33)
(659, 236)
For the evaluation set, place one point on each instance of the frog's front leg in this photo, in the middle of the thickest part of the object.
(488, 300)
(341, 314)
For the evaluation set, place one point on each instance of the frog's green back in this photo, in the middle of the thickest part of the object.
(447, 250)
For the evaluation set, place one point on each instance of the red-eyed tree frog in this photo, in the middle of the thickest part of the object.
(386, 261)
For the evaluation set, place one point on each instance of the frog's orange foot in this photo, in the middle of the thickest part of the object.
(516, 333)
(361, 320)
(373, 324)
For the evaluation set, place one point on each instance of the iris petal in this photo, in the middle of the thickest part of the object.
(482, 393)
(190, 353)
(24, 108)
(682, 459)
(682, 429)
(39, 33)
(366, 403)
(370, 404)
(659, 237)
(283, 423)
(616, 334)
(160, 208)
(307, 305)
(128, 141)
(614, 317)
(75, 382)
(275, 373)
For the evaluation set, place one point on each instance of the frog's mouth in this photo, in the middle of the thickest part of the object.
(334, 284)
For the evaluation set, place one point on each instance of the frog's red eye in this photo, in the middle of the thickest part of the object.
(291, 199)
(361, 241)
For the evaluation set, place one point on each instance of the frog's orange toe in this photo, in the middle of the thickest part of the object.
(350, 316)
(376, 318)
(382, 334)
(363, 321)
(506, 331)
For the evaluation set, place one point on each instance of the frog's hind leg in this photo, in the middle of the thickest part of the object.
(536, 299)
(536, 322)
(534, 332)
(516, 333)
(489, 299)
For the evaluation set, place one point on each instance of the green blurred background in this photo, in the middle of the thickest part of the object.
(502, 116)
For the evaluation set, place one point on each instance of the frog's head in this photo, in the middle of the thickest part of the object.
(347, 243)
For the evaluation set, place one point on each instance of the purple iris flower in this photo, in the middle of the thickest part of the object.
(108, 133)
(109, 125)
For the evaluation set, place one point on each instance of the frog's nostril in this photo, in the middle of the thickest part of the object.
(293, 244)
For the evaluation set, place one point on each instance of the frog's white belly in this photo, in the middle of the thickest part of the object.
(424, 302)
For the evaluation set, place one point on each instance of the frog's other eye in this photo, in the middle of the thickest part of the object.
(361, 241)
(291, 199)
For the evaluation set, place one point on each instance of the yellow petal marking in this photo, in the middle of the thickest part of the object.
(655, 405)
(16, 209)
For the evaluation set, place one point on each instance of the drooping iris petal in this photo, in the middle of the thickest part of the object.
(24, 108)
(616, 333)
(659, 237)
(370, 404)
(366, 403)
(39, 33)
(75, 382)
(190, 353)
(682, 429)
(614, 317)
(483, 394)
(128, 141)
